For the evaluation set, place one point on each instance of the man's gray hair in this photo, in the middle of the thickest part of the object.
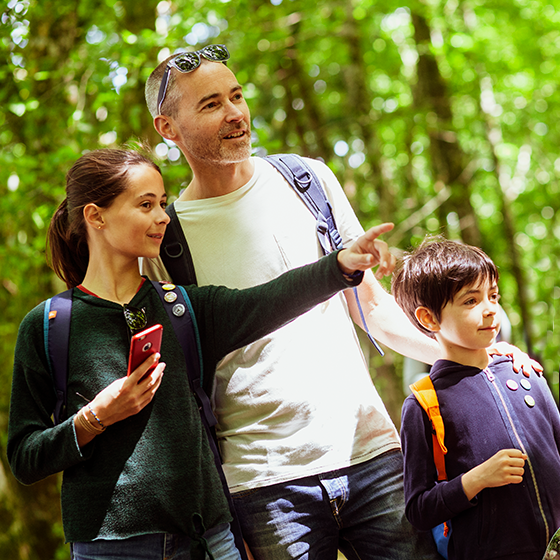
(151, 91)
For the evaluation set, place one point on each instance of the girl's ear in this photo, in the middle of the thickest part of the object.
(93, 216)
(427, 319)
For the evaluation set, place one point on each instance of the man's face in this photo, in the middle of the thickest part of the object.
(213, 120)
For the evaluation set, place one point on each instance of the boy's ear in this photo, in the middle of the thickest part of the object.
(93, 216)
(165, 127)
(427, 319)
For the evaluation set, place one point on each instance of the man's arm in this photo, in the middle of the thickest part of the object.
(388, 323)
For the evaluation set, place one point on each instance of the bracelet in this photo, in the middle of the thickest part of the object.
(86, 424)
(95, 416)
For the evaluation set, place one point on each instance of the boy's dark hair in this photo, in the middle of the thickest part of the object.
(435, 272)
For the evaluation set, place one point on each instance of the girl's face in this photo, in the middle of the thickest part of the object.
(135, 223)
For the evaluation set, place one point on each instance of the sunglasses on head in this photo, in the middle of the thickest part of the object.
(187, 62)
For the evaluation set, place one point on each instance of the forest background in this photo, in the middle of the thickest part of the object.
(440, 116)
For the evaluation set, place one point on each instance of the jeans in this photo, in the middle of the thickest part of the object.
(358, 510)
(158, 546)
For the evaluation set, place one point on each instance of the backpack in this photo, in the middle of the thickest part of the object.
(56, 329)
(176, 255)
(426, 395)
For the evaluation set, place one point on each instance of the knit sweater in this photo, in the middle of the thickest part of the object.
(484, 412)
(152, 472)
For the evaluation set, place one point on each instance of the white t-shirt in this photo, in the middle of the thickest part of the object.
(299, 401)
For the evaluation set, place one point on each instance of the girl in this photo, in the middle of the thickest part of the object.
(139, 478)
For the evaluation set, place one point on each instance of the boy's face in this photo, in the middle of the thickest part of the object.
(469, 324)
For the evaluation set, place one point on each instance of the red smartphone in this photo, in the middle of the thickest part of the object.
(142, 345)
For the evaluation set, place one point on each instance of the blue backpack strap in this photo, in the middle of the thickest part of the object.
(182, 317)
(56, 328)
(304, 181)
(306, 184)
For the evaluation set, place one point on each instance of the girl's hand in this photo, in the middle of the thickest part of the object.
(368, 251)
(124, 397)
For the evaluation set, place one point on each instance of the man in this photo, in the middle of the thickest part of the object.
(310, 454)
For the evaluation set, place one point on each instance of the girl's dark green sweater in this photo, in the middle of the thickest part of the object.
(152, 472)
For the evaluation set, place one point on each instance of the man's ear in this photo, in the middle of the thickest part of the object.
(93, 216)
(165, 127)
(427, 319)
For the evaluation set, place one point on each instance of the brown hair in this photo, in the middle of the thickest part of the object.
(97, 177)
(433, 274)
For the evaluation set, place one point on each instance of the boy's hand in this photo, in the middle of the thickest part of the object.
(505, 467)
(368, 251)
(521, 361)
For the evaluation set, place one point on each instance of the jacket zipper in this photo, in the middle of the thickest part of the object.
(491, 378)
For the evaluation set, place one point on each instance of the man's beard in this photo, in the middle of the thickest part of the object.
(235, 152)
(221, 151)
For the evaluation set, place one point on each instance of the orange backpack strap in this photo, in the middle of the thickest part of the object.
(426, 395)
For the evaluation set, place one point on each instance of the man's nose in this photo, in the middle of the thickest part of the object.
(234, 113)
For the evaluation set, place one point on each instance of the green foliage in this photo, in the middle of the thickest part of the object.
(438, 115)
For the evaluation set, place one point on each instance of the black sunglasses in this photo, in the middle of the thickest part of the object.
(187, 62)
(135, 317)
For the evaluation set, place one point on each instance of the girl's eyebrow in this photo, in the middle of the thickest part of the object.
(152, 195)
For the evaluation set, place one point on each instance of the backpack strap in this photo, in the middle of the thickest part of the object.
(427, 397)
(306, 184)
(175, 252)
(56, 330)
(183, 320)
(181, 315)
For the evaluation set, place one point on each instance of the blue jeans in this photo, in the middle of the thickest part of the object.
(158, 546)
(358, 510)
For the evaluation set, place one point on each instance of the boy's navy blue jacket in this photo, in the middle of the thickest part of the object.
(482, 415)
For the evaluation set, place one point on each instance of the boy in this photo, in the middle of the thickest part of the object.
(502, 431)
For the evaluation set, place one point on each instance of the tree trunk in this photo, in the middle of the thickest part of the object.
(447, 158)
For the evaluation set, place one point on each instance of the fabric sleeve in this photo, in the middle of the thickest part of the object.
(428, 502)
(37, 448)
(229, 319)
